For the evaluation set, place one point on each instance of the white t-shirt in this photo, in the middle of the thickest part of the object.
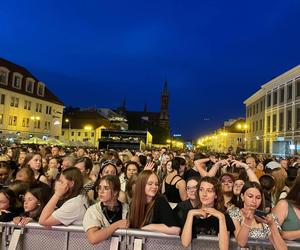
(94, 216)
(72, 211)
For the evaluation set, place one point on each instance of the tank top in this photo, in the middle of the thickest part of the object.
(291, 222)
(171, 192)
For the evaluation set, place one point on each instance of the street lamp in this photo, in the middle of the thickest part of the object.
(69, 130)
(36, 120)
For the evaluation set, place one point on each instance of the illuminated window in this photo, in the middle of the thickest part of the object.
(14, 102)
(12, 120)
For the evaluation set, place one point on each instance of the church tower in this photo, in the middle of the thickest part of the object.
(164, 107)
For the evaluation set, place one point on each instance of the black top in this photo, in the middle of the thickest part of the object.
(163, 213)
(190, 173)
(171, 192)
(6, 216)
(210, 226)
(181, 211)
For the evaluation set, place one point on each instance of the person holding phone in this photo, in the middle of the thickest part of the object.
(259, 226)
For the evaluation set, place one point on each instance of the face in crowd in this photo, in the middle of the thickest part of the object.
(151, 187)
(227, 184)
(191, 189)
(207, 194)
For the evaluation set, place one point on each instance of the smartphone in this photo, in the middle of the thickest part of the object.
(260, 213)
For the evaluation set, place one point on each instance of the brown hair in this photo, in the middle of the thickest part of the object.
(141, 211)
(280, 177)
(253, 184)
(73, 174)
(294, 194)
(219, 201)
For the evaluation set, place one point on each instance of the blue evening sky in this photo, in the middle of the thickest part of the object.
(213, 53)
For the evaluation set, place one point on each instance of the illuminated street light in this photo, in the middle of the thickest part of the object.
(87, 127)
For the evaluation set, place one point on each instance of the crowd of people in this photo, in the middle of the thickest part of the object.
(183, 193)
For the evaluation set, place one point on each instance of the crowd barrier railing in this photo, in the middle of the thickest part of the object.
(36, 237)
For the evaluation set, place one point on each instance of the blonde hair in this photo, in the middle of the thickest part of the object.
(280, 176)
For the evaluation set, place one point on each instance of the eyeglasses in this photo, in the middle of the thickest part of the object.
(191, 188)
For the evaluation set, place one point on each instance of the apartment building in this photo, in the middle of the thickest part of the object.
(27, 107)
(273, 115)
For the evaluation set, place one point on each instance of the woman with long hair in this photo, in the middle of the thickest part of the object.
(35, 200)
(148, 209)
(174, 186)
(248, 225)
(68, 191)
(209, 217)
(34, 161)
(288, 213)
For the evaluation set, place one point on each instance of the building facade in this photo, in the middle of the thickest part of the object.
(228, 139)
(83, 126)
(27, 107)
(273, 115)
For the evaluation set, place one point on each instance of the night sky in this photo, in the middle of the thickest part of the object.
(214, 53)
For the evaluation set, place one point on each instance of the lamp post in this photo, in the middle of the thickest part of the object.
(69, 130)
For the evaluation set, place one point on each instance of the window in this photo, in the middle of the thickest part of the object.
(261, 106)
(62, 133)
(298, 118)
(281, 117)
(289, 120)
(12, 120)
(256, 107)
(253, 126)
(250, 111)
(17, 81)
(268, 124)
(47, 125)
(78, 133)
(86, 134)
(281, 95)
(260, 125)
(14, 102)
(25, 122)
(48, 110)
(38, 107)
(29, 85)
(275, 97)
(268, 100)
(37, 124)
(2, 99)
(27, 105)
(290, 91)
(274, 123)
(72, 133)
(298, 87)
(256, 125)
(41, 89)
(4, 75)
(1, 118)
(92, 134)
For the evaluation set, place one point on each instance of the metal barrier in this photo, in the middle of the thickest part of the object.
(37, 237)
